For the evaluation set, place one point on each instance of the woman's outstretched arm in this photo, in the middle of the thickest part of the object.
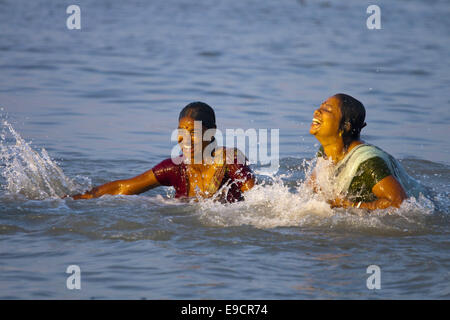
(136, 185)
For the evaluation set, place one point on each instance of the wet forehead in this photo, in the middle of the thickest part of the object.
(332, 104)
(187, 123)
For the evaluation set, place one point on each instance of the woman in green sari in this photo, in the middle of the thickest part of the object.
(362, 175)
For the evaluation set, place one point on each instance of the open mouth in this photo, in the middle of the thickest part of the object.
(316, 121)
(315, 125)
(188, 150)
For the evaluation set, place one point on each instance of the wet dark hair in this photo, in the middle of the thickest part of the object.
(353, 113)
(200, 111)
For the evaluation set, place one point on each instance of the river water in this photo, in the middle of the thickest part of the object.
(83, 107)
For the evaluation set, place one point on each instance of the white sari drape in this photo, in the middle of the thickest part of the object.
(346, 169)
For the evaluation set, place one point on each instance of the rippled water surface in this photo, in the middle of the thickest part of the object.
(83, 107)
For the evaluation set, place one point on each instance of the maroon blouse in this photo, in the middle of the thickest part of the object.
(170, 174)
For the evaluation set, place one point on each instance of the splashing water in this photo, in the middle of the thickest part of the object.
(275, 204)
(271, 203)
(27, 172)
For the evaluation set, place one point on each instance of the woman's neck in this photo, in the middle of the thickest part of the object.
(205, 163)
(335, 148)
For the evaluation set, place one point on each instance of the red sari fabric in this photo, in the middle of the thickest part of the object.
(236, 175)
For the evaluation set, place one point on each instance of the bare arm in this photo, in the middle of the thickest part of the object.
(136, 185)
(388, 191)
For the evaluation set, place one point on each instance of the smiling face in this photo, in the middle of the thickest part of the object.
(326, 119)
(191, 142)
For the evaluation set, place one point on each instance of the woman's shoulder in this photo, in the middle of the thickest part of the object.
(169, 163)
(167, 170)
(373, 163)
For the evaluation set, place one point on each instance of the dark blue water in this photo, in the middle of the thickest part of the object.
(103, 102)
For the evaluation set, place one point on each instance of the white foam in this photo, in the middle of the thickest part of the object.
(276, 205)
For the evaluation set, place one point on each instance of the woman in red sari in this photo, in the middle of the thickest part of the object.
(203, 170)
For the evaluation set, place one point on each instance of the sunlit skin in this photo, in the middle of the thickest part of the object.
(325, 127)
(199, 175)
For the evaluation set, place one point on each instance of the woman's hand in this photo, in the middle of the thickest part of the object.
(340, 203)
(87, 195)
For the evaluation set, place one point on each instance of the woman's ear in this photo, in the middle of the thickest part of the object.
(347, 126)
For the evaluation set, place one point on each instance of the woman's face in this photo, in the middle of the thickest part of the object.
(326, 119)
(190, 140)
